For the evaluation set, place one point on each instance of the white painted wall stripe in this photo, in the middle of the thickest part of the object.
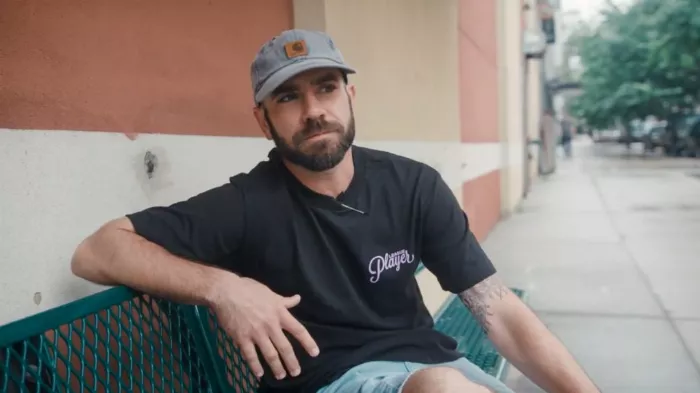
(59, 186)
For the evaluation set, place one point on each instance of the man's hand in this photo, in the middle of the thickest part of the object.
(253, 315)
(524, 340)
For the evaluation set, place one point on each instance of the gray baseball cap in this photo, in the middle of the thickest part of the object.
(290, 53)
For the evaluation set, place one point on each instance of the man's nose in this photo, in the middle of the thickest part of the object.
(313, 110)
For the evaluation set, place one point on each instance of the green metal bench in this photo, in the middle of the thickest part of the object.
(122, 341)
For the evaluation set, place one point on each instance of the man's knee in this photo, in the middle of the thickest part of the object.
(441, 380)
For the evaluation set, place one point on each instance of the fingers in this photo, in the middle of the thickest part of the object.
(271, 352)
(285, 350)
(271, 355)
(251, 357)
(296, 329)
(291, 301)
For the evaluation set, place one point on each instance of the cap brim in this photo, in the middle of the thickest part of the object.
(283, 74)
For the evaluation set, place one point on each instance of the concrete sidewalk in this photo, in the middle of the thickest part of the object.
(609, 250)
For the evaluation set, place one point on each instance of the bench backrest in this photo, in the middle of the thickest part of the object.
(117, 341)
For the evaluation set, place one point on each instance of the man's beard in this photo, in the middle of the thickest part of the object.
(317, 156)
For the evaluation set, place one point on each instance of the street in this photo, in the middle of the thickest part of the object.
(608, 248)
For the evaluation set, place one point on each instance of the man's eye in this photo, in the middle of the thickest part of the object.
(286, 97)
(328, 88)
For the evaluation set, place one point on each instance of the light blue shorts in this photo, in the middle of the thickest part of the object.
(389, 377)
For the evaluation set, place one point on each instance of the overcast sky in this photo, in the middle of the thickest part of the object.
(589, 9)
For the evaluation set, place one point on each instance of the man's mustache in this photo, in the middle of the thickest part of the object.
(314, 126)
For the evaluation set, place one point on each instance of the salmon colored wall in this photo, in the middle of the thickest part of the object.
(482, 202)
(158, 66)
(478, 77)
(478, 65)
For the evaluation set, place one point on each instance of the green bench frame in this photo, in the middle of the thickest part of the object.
(120, 340)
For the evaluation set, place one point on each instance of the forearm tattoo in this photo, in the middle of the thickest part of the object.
(479, 298)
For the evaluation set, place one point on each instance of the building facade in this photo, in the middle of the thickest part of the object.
(110, 107)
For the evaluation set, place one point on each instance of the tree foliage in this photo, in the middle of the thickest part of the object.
(644, 60)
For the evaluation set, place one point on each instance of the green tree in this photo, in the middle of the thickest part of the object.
(641, 61)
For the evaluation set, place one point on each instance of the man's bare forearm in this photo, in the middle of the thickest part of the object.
(524, 340)
(115, 255)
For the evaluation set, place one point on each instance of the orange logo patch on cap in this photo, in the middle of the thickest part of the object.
(296, 48)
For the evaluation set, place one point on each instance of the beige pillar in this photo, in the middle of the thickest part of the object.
(511, 103)
(533, 91)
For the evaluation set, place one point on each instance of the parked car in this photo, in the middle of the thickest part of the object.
(676, 138)
(654, 138)
(691, 141)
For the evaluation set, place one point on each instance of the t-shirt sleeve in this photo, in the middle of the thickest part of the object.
(449, 248)
(206, 228)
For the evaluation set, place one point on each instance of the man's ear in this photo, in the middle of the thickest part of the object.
(350, 89)
(259, 113)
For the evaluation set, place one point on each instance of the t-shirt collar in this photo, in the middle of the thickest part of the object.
(350, 195)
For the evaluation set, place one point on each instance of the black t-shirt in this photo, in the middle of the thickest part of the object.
(352, 258)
